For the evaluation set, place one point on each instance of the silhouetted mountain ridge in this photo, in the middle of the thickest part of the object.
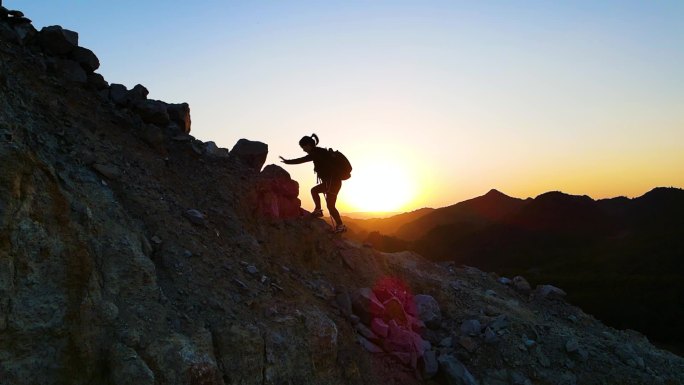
(619, 257)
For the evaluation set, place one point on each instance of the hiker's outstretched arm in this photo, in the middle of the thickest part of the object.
(303, 159)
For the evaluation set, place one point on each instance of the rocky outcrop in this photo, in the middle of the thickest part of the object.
(277, 194)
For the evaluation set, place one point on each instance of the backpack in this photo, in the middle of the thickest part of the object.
(340, 168)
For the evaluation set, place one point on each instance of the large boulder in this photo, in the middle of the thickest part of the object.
(137, 94)
(86, 58)
(180, 114)
(152, 111)
(117, 93)
(276, 194)
(57, 40)
(251, 153)
(428, 310)
(366, 305)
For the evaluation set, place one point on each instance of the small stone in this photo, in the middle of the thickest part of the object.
(344, 303)
(518, 378)
(521, 285)
(454, 371)
(156, 240)
(504, 281)
(195, 216)
(369, 346)
(549, 292)
(379, 327)
(499, 323)
(541, 357)
(428, 364)
(366, 332)
(446, 342)
(490, 336)
(251, 269)
(528, 342)
(468, 343)
(571, 345)
(490, 293)
(471, 327)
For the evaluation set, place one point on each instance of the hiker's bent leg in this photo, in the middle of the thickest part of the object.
(315, 191)
(330, 200)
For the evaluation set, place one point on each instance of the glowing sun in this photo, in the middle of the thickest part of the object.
(378, 186)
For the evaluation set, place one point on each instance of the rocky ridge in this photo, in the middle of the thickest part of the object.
(133, 253)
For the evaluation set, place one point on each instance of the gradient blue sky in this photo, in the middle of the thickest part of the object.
(434, 102)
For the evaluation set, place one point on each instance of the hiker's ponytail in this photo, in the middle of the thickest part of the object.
(309, 140)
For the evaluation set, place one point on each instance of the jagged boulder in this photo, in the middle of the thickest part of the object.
(251, 153)
(366, 305)
(276, 194)
(137, 94)
(57, 40)
(180, 114)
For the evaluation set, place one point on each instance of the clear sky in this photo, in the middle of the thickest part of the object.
(434, 102)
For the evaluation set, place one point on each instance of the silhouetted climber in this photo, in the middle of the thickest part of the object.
(330, 182)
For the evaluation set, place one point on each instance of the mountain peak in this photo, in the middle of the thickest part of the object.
(495, 193)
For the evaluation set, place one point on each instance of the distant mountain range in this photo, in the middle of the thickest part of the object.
(619, 258)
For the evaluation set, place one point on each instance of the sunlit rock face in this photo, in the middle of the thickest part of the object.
(277, 194)
(133, 253)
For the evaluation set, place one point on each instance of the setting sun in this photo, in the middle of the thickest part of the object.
(379, 185)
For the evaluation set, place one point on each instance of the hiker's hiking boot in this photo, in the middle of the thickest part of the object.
(340, 229)
(317, 213)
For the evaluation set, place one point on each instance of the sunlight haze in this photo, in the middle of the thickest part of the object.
(433, 102)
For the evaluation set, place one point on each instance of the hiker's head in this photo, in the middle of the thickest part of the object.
(307, 143)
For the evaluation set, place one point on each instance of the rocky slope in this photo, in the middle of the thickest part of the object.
(132, 253)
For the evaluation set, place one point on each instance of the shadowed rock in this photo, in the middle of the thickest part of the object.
(251, 153)
(57, 40)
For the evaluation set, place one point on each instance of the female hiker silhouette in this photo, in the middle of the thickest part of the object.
(329, 183)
